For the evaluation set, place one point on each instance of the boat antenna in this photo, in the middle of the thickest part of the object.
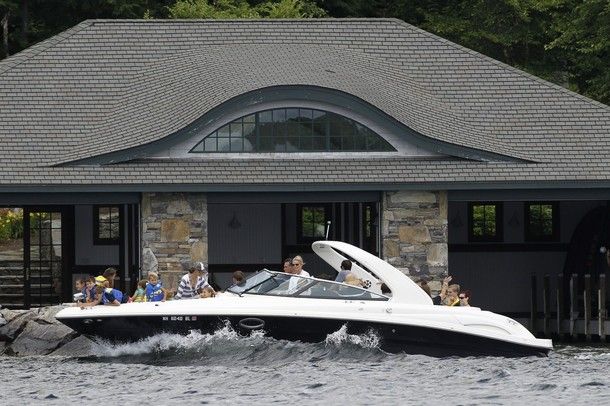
(327, 229)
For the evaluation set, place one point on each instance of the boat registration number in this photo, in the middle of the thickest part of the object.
(179, 318)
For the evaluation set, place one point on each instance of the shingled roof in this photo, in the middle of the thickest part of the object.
(110, 85)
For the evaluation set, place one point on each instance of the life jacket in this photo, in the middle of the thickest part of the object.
(89, 294)
(110, 295)
(154, 293)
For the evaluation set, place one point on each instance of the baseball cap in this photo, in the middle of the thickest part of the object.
(99, 280)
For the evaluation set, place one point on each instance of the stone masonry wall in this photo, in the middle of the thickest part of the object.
(174, 233)
(414, 234)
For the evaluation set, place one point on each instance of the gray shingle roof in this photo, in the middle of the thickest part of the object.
(107, 85)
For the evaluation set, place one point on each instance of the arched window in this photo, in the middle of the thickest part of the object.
(292, 130)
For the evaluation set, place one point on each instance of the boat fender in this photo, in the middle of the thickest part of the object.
(251, 323)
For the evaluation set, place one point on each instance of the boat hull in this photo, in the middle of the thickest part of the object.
(392, 337)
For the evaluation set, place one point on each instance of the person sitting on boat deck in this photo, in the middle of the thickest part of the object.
(287, 265)
(352, 279)
(239, 278)
(109, 274)
(464, 298)
(346, 268)
(90, 293)
(140, 293)
(452, 298)
(189, 284)
(297, 267)
(110, 296)
(207, 292)
(105, 294)
(79, 286)
(154, 289)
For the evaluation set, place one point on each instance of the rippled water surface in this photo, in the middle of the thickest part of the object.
(227, 368)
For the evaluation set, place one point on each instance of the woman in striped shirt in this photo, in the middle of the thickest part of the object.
(191, 282)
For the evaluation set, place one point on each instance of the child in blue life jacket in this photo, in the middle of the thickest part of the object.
(154, 289)
(140, 293)
(110, 296)
(105, 295)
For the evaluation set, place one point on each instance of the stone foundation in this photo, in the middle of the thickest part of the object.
(174, 233)
(414, 234)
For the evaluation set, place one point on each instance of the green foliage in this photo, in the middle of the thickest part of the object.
(290, 9)
(217, 9)
(243, 9)
(46, 18)
(11, 224)
(540, 220)
(313, 221)
(512, 31)
(584, 39)
(484, 220)
(8, 5)
(565, 41)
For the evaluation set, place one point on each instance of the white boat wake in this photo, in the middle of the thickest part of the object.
(341, 337)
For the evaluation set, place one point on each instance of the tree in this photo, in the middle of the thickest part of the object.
(243, 9)
(565, 41)
(217, 9)
(31, 21)
(290, 9)
(7, 7)
(584, 39)
(513, 31)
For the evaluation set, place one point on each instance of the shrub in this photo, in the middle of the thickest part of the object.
(11, 224)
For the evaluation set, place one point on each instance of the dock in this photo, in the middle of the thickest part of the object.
(572, 309)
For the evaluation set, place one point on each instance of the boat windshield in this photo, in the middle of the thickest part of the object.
(271, 283)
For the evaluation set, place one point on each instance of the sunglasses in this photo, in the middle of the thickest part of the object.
(462, 297)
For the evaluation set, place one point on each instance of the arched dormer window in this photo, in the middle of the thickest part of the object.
(292, 130)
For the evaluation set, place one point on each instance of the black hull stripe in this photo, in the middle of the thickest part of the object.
(393, 337)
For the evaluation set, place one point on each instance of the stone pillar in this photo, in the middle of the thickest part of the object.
(174, 233)
(414, 234)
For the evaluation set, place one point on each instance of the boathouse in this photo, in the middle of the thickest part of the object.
(144, 145)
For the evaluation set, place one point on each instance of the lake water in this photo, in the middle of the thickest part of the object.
(228, 369)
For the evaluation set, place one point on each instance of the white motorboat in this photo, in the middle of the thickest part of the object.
(292, 307)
